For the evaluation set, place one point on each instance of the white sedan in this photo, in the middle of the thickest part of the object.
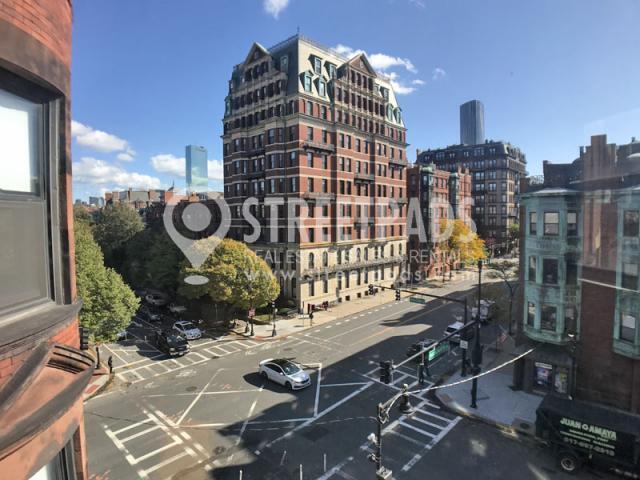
(284, 372)
(187, 329)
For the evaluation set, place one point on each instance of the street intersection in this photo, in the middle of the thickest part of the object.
(210, 415)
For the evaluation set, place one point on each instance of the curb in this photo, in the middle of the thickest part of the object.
(507, 429)
(101, 388)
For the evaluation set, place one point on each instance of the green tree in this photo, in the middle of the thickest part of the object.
(164, 263)
(507, 272)
(237, 276)
(107, 302)
(115, 225)
(514, 234)
(80, 214)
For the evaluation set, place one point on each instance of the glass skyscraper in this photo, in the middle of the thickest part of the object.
(197, 169)
(472, 123)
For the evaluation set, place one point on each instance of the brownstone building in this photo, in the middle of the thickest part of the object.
(325, 135)
(580, 256)
(441, 195)
(42, 373)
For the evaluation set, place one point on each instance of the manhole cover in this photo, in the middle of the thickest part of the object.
(315, 433)
(191, 389)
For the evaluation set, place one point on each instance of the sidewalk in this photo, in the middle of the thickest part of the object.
(99, 380)
(497, 402)
(285, 327)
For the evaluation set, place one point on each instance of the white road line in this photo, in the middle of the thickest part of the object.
(139, 434)
(447, 420)
(320, 415)
(244, 425)
(163, 464)
(157, 451)
(226, 352)
(408, 439)
(197, 398)
(114, 352)
(416, 458)
(418, 419)
(335, 470)
(129, 427)
(419, 430)
(127, 455)
(343, 384)
(317, 402)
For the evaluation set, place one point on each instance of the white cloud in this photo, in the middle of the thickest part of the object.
(98, 140)
(169, 163)
(438, 73)
(98, 172)
(398, 86)
(381, 61)
(126, 156)
(418, 3)
(176, 166)
(274, 7)
(215, 170)
(346, 51)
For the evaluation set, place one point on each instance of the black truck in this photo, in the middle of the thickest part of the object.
(171, 343)
(582, 432)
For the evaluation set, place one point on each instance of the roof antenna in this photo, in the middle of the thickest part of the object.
(298, 29)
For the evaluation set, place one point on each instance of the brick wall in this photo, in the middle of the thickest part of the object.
(48, 21)
(9, 363)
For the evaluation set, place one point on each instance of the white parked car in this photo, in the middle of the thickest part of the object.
(284, 372)
(175, 308)
(455, 327)
(155, 299)
(187, 329)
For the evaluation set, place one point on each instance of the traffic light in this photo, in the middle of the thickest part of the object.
(386, 372)
(397, 294)
(273, 304)
(84, 338)
(370, 289)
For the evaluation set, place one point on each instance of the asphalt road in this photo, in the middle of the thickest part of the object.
(209, 415)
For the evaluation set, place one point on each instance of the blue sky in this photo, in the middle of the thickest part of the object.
(150, 76)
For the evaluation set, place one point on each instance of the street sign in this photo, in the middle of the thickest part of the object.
(252, 313)
(441, 349)
(417, 300)
(464, 344)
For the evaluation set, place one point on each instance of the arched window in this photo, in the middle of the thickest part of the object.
(366, 254)
(325, 259)
(358, 254)
(293, 288)
(311, 260)
(339, 257)
(400, 249)
(392, 250)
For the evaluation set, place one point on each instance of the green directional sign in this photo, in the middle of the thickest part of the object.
(441, 349)
(417, 300)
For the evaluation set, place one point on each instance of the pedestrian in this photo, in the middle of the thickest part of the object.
(110, 363)
(311, 317)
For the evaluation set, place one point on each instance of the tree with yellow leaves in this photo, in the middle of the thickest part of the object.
(458, 242)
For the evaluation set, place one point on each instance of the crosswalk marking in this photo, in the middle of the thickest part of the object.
(419, 430)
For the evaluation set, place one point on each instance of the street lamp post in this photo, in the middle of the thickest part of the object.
(477, 350)
(382, 414)
(273, 306)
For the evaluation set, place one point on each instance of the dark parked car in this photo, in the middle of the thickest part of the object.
(419, 346)
(148, 314)
(172, 343)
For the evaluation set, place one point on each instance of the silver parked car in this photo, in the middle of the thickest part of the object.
(284, 372)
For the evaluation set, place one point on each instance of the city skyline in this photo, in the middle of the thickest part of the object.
(126, 137)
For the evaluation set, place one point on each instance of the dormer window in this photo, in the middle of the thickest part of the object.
(385, 93)
(317, 65)
(331, 69)
(284, 63)
(389, 112)
(307, 82)
(322, 88)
